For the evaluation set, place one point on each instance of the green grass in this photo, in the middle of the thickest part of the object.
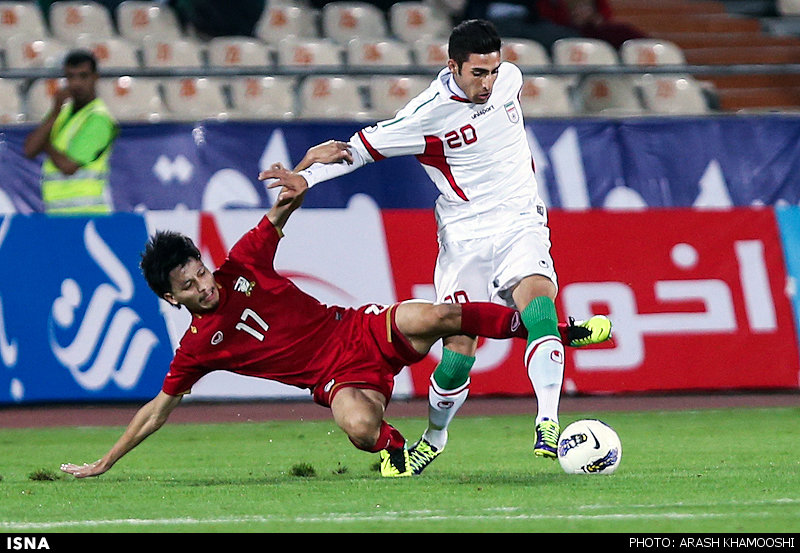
(734, 470)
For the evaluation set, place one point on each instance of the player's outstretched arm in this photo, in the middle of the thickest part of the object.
(147, 420)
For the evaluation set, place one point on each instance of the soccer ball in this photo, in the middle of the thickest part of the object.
(589, 447)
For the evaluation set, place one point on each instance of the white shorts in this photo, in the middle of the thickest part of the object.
(488, 269)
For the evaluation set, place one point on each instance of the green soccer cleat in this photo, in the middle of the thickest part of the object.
(546, 445)
(421, 455)
(395, 464)
(586, 333)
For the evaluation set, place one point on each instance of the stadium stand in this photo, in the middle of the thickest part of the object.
(344, 21)
(137, 19)
(327, 97)
(160, 53)
(111, 52)
(581, 52)
(389, 93)
(524, 52)
(346, 39)
(70, 19)
(307, 52)
(39, 98)
(608, 95)
(12, 110)
(194, 98)
(712, 32)
(262, 97)
(430, 54)
(239, 52)
(649, 51)
(380, 52)
(546, 96)
(673, 95)
(27, 52)
(279, 21)
(584, 51)
(21, 18)
(411, 21)
(133, 99)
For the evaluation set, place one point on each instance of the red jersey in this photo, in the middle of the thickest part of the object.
(264, 325)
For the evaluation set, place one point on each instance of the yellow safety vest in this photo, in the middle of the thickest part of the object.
(85, 191)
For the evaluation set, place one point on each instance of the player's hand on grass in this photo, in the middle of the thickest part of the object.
(87, 469)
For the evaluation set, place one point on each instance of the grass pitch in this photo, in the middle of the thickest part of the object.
(725, 470)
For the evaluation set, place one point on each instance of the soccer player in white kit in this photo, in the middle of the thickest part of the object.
(468, 133)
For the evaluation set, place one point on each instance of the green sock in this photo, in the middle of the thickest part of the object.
(453, 370)
(540, 318)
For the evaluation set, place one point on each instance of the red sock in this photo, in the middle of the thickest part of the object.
(389, 439)
(562, 330)
(491, 320)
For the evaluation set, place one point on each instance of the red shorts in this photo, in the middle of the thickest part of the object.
(366, 351)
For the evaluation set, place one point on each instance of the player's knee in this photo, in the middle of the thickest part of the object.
(445, 317)
(362, 429)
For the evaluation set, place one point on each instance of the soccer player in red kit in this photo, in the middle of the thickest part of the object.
(248, 319)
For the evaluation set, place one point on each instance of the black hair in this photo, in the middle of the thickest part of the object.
(77, 57)
(164, 251)
(474, 36)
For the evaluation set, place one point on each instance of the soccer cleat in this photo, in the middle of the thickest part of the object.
(395, 464)
(585, 333)
(546, 444)
(421, 455)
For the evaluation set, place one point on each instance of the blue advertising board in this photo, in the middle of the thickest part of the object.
(77, 320)
(789, 225)
(715, 161)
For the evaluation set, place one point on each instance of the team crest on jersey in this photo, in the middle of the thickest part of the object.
(244, 286)
(512, 112)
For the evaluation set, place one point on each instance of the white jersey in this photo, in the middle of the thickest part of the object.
(477, 155)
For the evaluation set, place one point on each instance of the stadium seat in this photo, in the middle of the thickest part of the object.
(389, 93)
(673, 95)
(386, 53)
(332, 98)
(297, 52)
(788, 7)
(546, 95)
(270, 98)
(194, 99)
(344, 21)
(21, 18)
(648, 51)
(238, 51)
(164, 52)
(111, 52)
(11, 108)
(26, 52)
(608, 95)
(411, 21)
(72, 18)
(583, 51)
(39, 98)
(137, 19)
(431, 53)
(132, 99)
(524, 52)
(279, 21)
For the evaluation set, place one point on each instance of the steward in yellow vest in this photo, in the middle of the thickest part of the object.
(77, 137)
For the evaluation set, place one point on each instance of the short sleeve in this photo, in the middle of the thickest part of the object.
(183, 374)
(258, 246)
